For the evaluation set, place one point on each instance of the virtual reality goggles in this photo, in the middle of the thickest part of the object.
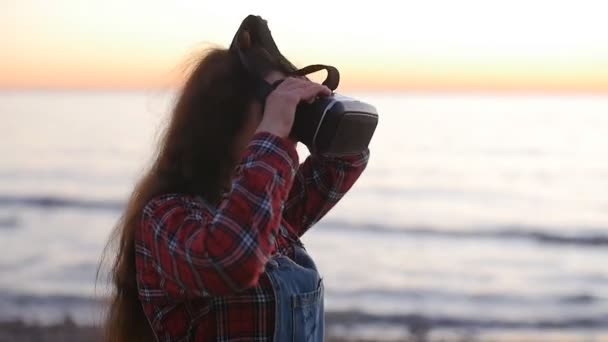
(331, 125)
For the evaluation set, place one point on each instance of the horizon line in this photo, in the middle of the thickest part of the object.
(388, 90)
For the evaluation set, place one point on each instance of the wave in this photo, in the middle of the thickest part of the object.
(51, 299)
(56, 202)
(86, 309)
(417, 321)
(51, 308)
(9, 222)
(60, 300)
(544, 235)
(587, 237)
(57, 306)
(447, 296)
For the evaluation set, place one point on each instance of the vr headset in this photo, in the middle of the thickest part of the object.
(332, 125)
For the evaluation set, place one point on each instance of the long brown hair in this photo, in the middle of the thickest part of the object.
(194, 156)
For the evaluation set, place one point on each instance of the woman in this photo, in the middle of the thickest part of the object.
(209, 245)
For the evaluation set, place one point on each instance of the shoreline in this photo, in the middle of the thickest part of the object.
(18, 330)
(68, 330)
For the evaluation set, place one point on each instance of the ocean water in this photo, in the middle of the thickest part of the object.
(478, 214)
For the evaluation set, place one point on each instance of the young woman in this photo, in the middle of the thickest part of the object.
(209, 244)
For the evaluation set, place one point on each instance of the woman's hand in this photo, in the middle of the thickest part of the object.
(280, 108)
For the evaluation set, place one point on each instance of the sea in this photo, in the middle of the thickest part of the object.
(479, 216)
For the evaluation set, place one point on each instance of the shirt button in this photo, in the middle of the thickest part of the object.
(272, 263)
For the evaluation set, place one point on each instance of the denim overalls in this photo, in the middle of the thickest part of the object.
(299, 290)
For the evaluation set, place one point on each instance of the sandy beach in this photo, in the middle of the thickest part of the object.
(17, 330)
(11, 331)
(68, 331)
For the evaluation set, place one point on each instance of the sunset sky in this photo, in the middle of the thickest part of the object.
(532, 45)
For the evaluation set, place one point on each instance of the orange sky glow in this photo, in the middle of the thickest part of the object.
(542, 45)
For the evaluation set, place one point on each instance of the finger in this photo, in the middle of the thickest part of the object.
(297, 83)
(303, 78)
(291, 83)
(312, 91)
(312, 99)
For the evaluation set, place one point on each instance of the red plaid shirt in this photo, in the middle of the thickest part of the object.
(200, 269)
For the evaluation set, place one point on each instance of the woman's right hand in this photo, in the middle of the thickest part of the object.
(281, 103)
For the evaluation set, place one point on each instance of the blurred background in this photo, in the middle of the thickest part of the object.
(483, 213)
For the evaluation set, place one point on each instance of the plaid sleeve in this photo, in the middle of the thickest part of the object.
(320, 183)
(225, 250)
